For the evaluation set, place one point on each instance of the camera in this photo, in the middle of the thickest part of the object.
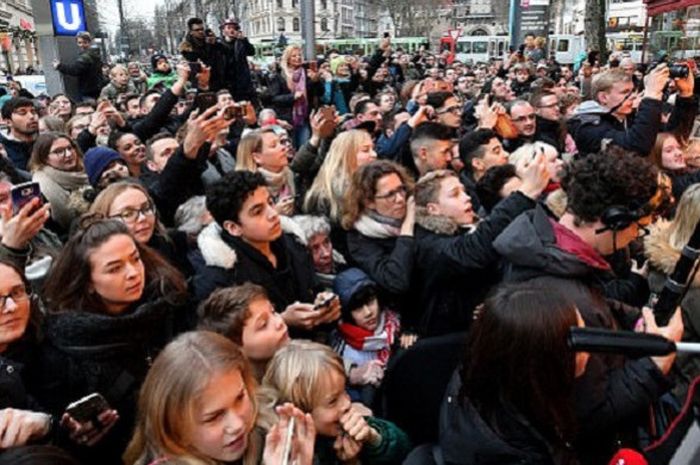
(678, 71)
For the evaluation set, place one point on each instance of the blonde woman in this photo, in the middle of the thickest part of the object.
(292, 91)
(349, 151)
(197, 406)
(262, 152)
(663, 248)
(312, 377)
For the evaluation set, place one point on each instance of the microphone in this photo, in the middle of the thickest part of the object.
(629, 343)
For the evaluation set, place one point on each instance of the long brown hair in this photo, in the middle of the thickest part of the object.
(42, 148)
(104, 200)
(363, 188)
(66, 286)
(168, 398)
(518, 357)
(655, 156)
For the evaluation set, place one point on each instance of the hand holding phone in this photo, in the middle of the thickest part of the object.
(94, 419)
(23, 193)
(291, 439)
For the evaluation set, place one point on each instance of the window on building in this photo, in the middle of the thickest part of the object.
(324, 4)
(295, 25)
(324, 25)
(295, 3)
(280, 24)
(280, 3)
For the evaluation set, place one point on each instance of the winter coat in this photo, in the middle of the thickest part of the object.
(111, 91)
(388, 261)
(231, 70)
(85, 352)
(393, 448)
(550, 132)
(231, 261)
(179, 180)
(18, 151)
(282, 98)
(662, 259)
(88, 71)
(454, 268)
(194, 50)
(504, 438)
(593, 123)
(14, 361)
(64, 191)
(614, 390)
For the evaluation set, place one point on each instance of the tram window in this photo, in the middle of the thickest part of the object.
(480, 47)
(563, 45)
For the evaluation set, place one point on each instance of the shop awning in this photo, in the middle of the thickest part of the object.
(655, 7)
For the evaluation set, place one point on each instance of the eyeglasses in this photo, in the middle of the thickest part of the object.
(17, 294)
(551, 105)
(519, 119)
(130, 215)
(391, 195)
(68, 150)
(455, 110)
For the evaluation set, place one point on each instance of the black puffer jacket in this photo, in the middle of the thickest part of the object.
(614, 391)
(454, 269)
(87, 352)
(506, 438)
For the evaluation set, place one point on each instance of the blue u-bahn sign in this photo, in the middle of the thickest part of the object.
(68, 17)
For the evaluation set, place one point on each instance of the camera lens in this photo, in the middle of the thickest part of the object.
(677, 71)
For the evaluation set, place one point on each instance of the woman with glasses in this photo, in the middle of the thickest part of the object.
(57, 165)
(21, 418)
(379, 217)
(130, 203)
(112, 304)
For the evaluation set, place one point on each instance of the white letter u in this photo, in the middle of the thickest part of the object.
(74, 23)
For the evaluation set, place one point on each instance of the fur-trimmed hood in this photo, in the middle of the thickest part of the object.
(657, 248)
(217, 252)
(439, 224)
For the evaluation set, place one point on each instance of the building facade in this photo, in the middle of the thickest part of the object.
(266, 20)
(17, 38)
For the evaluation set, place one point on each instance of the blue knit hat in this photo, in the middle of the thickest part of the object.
(348, 283)
(96, 161)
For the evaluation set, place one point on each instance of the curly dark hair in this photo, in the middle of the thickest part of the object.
(488, 188)
(225, 197)
(612, 177)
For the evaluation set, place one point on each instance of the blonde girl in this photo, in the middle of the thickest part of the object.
(312, 377)
(261, 151)
(349, 151)
(197, 407)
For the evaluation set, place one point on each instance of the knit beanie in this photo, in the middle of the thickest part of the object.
(155, 58)
(96, 161)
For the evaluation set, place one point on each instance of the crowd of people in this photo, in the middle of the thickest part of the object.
(226, 262)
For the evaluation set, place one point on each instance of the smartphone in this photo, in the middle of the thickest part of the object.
(205, 100)
(23, 193)
(325, 303)
(88, 408)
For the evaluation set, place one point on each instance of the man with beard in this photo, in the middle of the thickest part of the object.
(195, 47)
(22, 118)
(525, 121)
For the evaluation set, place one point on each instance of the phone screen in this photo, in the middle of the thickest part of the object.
(23, 193)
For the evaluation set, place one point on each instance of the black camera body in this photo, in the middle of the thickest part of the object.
(678, 71)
